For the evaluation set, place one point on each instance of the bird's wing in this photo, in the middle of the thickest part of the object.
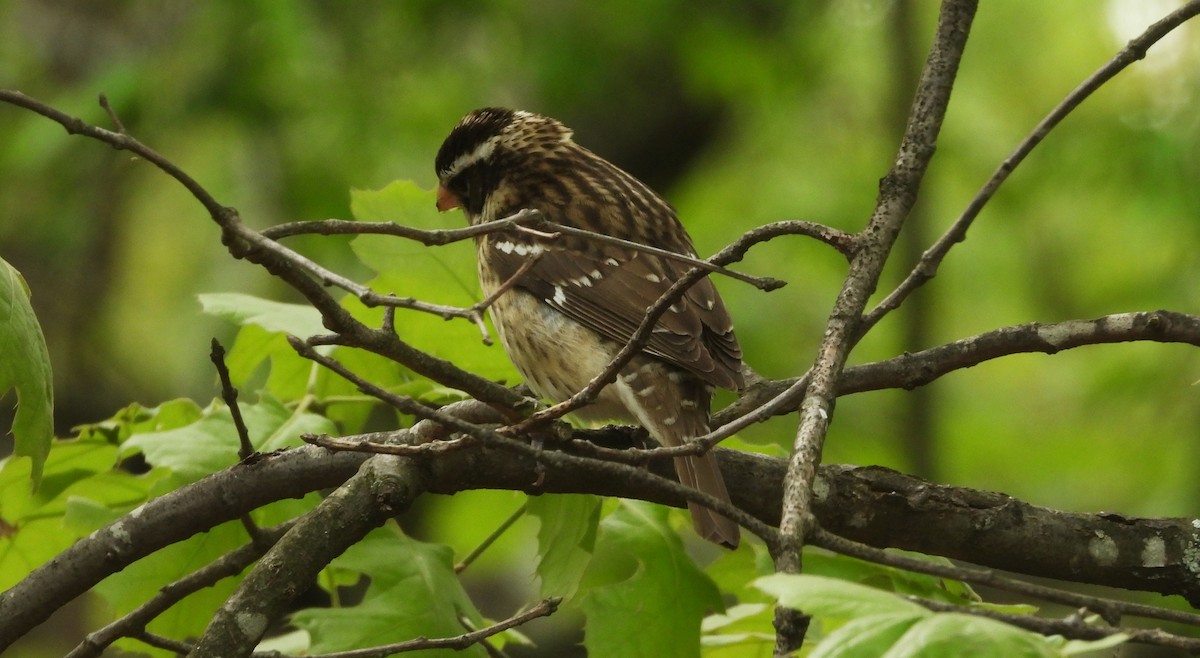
(609, 288)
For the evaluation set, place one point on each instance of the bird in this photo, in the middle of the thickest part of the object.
(567, 305)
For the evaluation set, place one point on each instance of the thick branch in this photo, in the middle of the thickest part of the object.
(383, 487)
(163, 521)
(226, 566)
(875, 506)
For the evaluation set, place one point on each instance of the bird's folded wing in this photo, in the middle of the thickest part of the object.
(609, 288)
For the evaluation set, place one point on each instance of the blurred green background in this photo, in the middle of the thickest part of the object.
(741, 113)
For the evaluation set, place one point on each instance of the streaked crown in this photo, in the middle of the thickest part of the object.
(488, 142)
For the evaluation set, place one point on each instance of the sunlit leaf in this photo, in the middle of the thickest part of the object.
(297, 319)
(820, 595)
(25, 366)
(566, 539)
(211, 443)
(413, 592)
(642, 594)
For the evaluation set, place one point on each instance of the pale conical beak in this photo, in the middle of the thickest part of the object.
(446, 200)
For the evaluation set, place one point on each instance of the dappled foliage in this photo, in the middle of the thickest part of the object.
(741, 115)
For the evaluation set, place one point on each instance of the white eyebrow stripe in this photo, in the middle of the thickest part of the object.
(481, 152)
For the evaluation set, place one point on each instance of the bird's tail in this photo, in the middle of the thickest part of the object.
(702, 473)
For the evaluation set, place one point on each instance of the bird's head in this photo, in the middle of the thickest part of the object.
(485, 147)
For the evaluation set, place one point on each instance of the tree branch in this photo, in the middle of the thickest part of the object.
(1111, 610)
(383, 487)
(908, 371)
(927, 267)
(300, 273)
(227, 565)
(874, 506)
(897, 193)
(1071, 627)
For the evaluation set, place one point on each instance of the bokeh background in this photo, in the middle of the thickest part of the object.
(741, 113)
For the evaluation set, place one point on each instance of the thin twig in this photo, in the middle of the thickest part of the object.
(544, 608)
(491, 538)
(908, 371)
(533, 220)
(228, 565)
(549, 457)
(403, 403)
(1111, 610)
(487, 302)
(399, 449)
(927, 267)
(246, 451)
(112, 115)
(1072, 626)
(637, 341)
(429, 238)
(230, 395)
(766, 284)
(641, 336)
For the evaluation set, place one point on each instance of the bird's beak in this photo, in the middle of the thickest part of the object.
(446, 200)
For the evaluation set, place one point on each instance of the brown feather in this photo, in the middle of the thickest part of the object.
(577, 300)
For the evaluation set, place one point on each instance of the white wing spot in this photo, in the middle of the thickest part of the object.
(653, 278)
(645, 392)
(711, 303)
(519, 248)
(670, 421)
(560, 295)
(612, 261)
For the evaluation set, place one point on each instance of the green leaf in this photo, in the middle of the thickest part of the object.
(642, 594)
(823, 596)
(742, 631)
(25, 366)
(947, 634)
(864, 637)
(441, 275)
(297, 319)
(566, 540)
(136, 419)
(451, 267)
(467, 519)
(1079, 647)
(734, 571)
(818, 562)
(211, 443)
(132, 586)
(31, 529)
(80, 491)
(413, 592)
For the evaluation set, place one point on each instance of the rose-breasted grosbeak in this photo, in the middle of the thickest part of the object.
(578, 301)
